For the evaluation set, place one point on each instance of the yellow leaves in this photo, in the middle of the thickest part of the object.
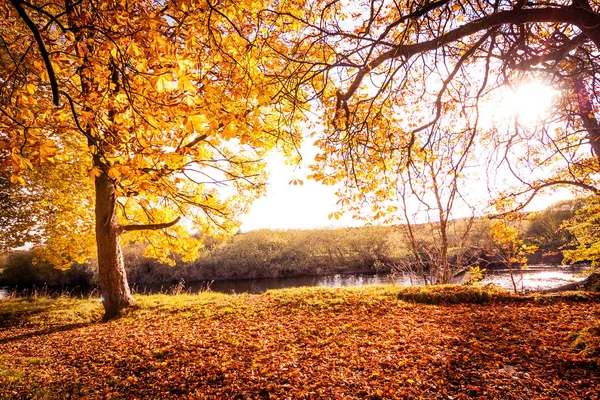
(184, 82)
(378, 215)
(134, 50)
(153, 122)
(31, 88)
(296, 182)
(335, 215)
(19, 163)
(114, 53)
(229, 131)
(47, 151)
(14, 178)
(139, 162)
(502, 233)
(114, 172)
(328, 180)
(197, 123)
(164, 83)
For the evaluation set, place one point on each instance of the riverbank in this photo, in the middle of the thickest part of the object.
(534, 278)
(301, 343)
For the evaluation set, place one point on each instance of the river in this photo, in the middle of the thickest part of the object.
(535, 277)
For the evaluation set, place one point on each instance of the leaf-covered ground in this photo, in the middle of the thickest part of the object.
(360, 343)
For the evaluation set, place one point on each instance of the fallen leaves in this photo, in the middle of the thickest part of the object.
(307, 343)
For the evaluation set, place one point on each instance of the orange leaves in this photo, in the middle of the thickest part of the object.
(95, 172)
(229, 131)
(14, 178)
(300, 343)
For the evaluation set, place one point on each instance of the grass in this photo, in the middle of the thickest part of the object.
(369, 342)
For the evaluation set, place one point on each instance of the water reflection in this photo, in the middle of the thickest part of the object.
(263, 284)
(536, 277)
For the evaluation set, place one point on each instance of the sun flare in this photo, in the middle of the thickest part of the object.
(528, 102)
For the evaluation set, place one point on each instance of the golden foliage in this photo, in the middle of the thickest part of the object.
(165, 100)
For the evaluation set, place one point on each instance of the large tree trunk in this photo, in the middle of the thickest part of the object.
(111, 269)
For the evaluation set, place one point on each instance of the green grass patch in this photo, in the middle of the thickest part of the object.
(43, 311)
(40, 310)
(587, 343)
(8, 372)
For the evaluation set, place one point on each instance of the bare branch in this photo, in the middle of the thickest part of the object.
(41, 46)
(153, 227)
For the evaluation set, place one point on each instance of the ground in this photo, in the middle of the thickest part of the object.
(359, 343)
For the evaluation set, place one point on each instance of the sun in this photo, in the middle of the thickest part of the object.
(528, 103)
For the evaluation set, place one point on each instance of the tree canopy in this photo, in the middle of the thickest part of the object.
(165, 104)
(397, 80)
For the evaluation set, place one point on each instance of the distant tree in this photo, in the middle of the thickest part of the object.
(436, 181)
(546, 227)
(585, 228)
(510, 250)
(44, 213)
(163, 100)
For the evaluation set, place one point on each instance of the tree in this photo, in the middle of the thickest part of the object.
(546, 228)
(436, 181)
(44, 213)
(164, 100)
(510, 250)
(585, 227)
(387, 75)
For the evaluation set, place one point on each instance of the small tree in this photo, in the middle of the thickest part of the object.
(585, 227)
(510, 250)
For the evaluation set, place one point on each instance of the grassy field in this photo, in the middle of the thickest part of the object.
(363, 343)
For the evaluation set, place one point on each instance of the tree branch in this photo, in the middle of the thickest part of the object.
(587, 21)
(41, 46)
(541, 186)
(153, 227)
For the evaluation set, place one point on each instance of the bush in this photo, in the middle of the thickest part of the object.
(19, 269)
(451, 294)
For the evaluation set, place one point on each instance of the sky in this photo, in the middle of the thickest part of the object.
(289, 206)
(308, 206)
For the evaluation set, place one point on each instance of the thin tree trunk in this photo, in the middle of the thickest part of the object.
(111, 269)
(512, 277)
